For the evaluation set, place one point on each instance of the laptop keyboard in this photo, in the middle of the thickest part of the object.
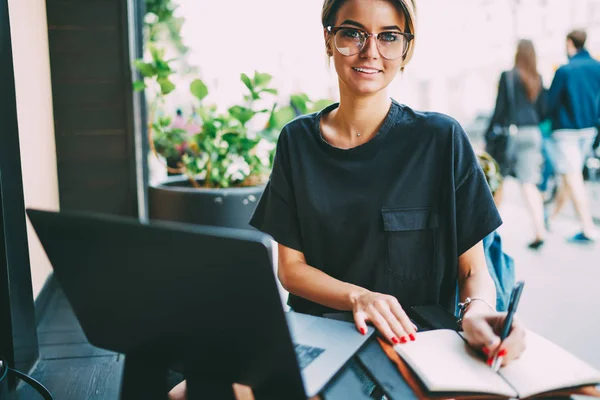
(306, 354)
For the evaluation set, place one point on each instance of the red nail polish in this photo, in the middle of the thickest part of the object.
(403, 339)
(363, 331)
(485, 350)
(412, 337)
(490, 361)
(395, 340)
(502, 353)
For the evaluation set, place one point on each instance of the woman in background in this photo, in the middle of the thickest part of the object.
(520, 102)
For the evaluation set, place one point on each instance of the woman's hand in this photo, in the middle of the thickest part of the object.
(385, 313)
(482, 331)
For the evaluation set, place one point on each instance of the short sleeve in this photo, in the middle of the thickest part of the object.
(476, 212)
(276, 212)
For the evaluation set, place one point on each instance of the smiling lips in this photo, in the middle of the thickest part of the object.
(366, 70)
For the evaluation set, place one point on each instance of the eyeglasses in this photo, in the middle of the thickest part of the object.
(351, 41)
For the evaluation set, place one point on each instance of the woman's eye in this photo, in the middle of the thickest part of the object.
(351, 33)
(388, 36)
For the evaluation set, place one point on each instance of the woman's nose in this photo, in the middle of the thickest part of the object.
(370, 49)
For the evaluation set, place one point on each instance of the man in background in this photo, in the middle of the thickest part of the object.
(573, 110)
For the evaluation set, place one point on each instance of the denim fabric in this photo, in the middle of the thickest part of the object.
(501, 267)
(502, 270)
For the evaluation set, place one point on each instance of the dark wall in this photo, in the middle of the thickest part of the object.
(18, 338)
(93, 105)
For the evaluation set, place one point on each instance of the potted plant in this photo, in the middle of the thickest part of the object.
(222, 159)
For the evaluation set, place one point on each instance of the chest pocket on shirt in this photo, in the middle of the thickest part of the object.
(410, 236)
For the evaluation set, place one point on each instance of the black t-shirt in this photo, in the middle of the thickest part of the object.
(391, 215)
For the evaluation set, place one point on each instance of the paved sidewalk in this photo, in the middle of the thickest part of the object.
(593, 189)
(561, 299)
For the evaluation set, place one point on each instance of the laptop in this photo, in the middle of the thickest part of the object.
(194, 293)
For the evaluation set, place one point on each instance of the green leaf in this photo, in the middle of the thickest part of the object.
(271, 122)
(164, 121)
(300, 101)
(157, 54)
(138, 86)
(270, 90)
(247, 82)
(210, 131)
(163, 69)
(282, 117)
(166, 86)
(198, 89)
(242, 114)
(320, 104)
(178, 134)
(248, 144)
(230, 137)
(261, 79)
(147, 70)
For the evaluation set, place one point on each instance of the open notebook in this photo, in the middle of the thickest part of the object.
(446, 364)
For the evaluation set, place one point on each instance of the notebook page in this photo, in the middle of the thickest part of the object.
(545, 366)
(444, 363)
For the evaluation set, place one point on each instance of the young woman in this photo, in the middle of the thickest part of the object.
(521, 101)
(377, 207)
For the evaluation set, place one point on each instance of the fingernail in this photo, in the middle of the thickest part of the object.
(502, 353)
(412, 337)
(403, 339)
(485, 350)
(490, 361)
(363, 331)
(395, 340)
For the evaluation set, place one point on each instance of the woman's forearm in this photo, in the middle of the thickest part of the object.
(475, 280)
(479, 285)
(312, 284)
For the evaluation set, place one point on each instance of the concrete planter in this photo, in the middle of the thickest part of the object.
(176, 200)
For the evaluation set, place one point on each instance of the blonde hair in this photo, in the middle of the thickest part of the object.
(408, 7)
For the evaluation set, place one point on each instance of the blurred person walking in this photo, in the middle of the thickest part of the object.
(514, 137)
(573, 109)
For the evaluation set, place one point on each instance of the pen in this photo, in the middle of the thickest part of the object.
(515, 295)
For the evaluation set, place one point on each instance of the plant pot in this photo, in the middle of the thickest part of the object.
(175, 199)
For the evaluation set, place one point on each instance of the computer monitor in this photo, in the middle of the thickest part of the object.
(170, 291)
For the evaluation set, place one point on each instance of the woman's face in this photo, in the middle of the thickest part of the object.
(367, 72)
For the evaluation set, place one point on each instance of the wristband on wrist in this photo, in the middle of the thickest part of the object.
(462, 308)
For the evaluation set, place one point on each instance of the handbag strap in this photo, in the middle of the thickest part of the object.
(510, 92)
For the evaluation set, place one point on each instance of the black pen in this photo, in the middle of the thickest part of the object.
(515, 295)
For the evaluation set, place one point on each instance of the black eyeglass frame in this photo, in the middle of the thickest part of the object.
(407, 36)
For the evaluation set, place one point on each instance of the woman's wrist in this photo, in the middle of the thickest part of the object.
(472, 307)
(478, 306)
(354, 294)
